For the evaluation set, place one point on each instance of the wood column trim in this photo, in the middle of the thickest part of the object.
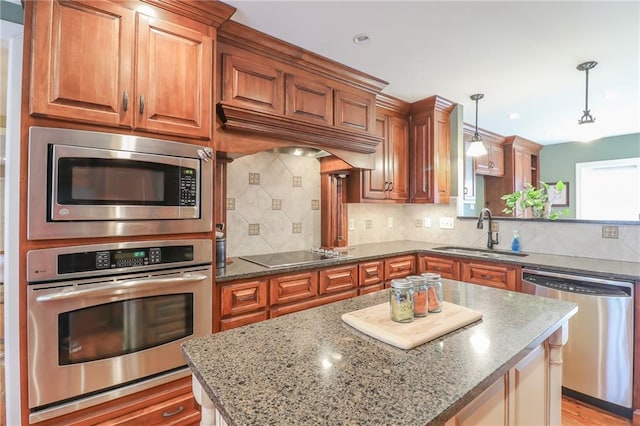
(556, 341)
(333, 210)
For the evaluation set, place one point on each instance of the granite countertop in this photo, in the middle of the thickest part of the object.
(611, 269)
(311, 368)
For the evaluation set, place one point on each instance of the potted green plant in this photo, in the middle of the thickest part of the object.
(536, 199)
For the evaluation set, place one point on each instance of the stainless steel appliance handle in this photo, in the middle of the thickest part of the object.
(127, 284)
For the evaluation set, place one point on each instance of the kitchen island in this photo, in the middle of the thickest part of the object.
(311, 368)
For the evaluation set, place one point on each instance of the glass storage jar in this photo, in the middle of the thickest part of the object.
(420, 295)
(401, 300)
(434, 281)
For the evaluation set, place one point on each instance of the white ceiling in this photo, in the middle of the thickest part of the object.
(522, 55)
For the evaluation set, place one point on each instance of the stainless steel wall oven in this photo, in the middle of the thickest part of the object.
(95, 184)
(106, 320)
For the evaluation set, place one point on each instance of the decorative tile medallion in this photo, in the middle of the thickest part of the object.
(231, 203)
(418, 223)
(297, 228)
(368, 224)
(315, 204)
(254, 178)
(297, 181)
(254, 229)
(276, 204)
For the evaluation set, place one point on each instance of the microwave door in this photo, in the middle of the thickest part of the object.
(90, 184)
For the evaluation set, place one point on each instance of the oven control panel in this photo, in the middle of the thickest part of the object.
(122, 258)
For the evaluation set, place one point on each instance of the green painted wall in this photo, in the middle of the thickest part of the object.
(558, 161)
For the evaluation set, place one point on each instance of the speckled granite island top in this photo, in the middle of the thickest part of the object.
(310, 368)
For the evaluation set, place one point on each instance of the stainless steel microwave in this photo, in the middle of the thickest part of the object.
(91, 184)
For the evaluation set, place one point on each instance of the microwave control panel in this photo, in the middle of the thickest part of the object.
(188, 187)
(122, 258)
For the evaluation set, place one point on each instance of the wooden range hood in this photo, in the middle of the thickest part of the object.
(274, 95)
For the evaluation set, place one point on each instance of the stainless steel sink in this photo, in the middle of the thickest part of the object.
(490, 254)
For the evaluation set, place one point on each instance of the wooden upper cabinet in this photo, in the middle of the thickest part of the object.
(253, 85)
(355, 111)
(308, 100)
(389, 180)
(82, 62)
(174, 72)
(492, 163)
(83, 69)
(430, 168)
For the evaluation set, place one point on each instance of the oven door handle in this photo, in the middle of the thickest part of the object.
(116, 289)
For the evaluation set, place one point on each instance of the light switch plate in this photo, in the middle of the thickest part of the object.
(390, 222)
(446, 223)
(352, 224)
(426, 222)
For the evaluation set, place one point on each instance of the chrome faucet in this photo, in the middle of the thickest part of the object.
(490, 240)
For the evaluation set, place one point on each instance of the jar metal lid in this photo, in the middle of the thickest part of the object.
(431, 276)
(401, 283)
(417, 279)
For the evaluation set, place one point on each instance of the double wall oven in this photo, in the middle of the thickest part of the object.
(108, 319)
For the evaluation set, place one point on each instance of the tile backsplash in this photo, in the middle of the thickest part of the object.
(273, 204)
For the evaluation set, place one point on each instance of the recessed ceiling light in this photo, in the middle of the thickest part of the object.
(361, 38)
(514, 116)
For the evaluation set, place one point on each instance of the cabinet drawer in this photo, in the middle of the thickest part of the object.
(371, 273)
(399, 267)
(181, 410)
(290, 288)
(240, 320)
(491, 275)
(337, 279)
(243, 297)
(447, 268)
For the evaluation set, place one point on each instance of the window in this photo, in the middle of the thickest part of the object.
(608, 190)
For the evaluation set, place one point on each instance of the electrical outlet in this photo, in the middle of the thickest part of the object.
(390, 222)
(352, 224)
(495, 227)
(426, 222)
(446, 223)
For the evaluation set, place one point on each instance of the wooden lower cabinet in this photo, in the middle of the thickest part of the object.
(491, 274)
(371, 276)
(241, 303)
(523, 396)
(445, 266)
(168, 404)
(398, 267)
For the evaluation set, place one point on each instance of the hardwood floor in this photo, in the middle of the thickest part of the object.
(576, 413)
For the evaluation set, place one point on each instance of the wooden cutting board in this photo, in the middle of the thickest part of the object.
(376, 322)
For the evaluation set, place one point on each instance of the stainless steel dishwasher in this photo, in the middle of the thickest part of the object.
(598, 358)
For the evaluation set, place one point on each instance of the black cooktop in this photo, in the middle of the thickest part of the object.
(289, 258)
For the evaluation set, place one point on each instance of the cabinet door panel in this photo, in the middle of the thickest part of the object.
(289, 288)
(337, 279)
(243, 297)
(308, 101)
(375, 181)
(82, 62)
(371, 273)
(491, 275)
(248, 84)
(399, 267)
(354, 111)
(447, 268)
(398, 162)
(174, 66)
(421, 158)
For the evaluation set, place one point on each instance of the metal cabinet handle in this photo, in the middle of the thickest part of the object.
(141, 104)
(245, 298)
(491, 164)
(390, 186)
(178, 410)
(466, 191)
(487, 277)
(125, 100)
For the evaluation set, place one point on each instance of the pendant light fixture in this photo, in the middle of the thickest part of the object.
(586, 114)
(476, 148)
